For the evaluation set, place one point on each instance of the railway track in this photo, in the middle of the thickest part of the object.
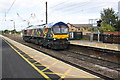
(72, 57)
(91, 59)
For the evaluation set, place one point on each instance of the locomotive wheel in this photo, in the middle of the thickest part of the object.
(36, 41)
(40, 42)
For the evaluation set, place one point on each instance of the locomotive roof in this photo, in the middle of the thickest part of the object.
(60, 23)
(46, 25)
(40, 26)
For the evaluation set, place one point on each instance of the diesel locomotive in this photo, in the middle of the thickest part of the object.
(53, 36)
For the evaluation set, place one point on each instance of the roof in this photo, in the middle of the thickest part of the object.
(60, 23)
(46, 25)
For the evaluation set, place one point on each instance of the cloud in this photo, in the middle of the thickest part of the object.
(73, 11)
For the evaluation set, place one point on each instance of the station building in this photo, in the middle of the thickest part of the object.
(80, 28)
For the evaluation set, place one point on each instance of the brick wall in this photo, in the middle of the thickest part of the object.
(112, 32)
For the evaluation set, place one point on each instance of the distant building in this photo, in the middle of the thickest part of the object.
(119, 10)
(79, 28)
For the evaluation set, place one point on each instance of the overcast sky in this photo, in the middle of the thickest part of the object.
(68, 11)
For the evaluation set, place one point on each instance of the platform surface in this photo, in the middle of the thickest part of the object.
(14, 66)
(101, 45)
(49, 63)
(0, 58)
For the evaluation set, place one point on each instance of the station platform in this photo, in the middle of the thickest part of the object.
(115, 47)
(47, 65)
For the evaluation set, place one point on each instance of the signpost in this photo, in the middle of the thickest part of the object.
(98, 34)
(99, 25)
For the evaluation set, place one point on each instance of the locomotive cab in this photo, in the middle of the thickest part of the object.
(60, 31)
(60, 36)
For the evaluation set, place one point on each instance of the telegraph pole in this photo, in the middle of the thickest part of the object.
(14, 24)
(46, 14)
(5, 16)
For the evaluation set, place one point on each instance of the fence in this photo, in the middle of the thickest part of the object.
(108, 38)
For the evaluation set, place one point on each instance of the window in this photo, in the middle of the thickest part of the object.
(60, 29)
(64, 30)
(56, 29)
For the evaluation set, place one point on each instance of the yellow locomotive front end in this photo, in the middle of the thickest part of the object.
(64, 36)
(60, 31)
(60, 35)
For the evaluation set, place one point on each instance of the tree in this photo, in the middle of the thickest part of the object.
(6, 31)
(107, 27)
(108, 17)
(118, 25)
(13, 31)
(94, 29)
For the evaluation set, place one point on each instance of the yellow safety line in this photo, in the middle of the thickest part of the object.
(29, 62)
(30, 59)
(65, 73)
(25, 55)
(50, 73)
(38, 65)
(49, 66)
(35, 62)
(45, 69)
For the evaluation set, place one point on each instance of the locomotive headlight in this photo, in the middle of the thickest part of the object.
(54, 39)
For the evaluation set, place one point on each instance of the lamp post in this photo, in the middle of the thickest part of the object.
(13, 25)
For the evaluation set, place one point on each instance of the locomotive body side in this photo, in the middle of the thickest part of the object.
(50, 36)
